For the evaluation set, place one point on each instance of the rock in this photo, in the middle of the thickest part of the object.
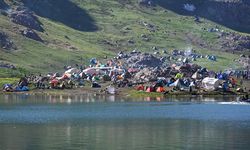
(142, 60)
(3, 4)
(154, 48)
(29, 33)
(156, 53)
(4, 13)
(5, 42)
(245, 62)
(145, 74)
(146, 2)
(131, 42)
(235, 42)
(6, 65)
(25, 17)
(242, 56)
(143, 36)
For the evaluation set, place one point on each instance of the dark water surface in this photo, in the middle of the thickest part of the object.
(29, 122)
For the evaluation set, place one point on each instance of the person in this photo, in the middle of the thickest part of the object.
(225, 86)
(246, 98)
(23, 82)
(241, 82)
(7, 88)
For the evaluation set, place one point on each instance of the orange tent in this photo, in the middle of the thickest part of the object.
(160, 90)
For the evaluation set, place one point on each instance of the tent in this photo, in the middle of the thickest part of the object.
(196, 75)
(179, 76)
(210, 84)
(177, 83)
(160, 89)
(140, 88)
(54, 83)
(150, 89)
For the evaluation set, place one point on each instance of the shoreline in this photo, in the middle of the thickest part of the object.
(124, 93)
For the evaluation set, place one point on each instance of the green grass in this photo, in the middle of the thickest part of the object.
(8, 81)
(4, 72)
(111, 17)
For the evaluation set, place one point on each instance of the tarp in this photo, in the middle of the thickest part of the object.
(118, 70)
(90, 71)
(96, 70)
(21, 89)
(72, 70)
(111, 90)
(210, 84)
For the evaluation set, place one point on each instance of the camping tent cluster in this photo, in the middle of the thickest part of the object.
(147, 72)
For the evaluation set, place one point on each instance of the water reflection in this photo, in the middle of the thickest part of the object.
(93, 98)
(58, 122)
(124, 135)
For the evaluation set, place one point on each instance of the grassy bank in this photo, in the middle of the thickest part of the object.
(8, 80)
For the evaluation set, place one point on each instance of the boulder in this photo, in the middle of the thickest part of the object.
(25, 17)
(6, 65)
(144, 60)
(145, 2)
(235, 42)
(5, 42)
(29, 33)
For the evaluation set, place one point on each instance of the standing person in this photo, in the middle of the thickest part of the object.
(248, 73)
(245, 98)
(81, 68)
(241, 82)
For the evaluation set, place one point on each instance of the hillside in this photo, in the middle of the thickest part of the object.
(67, 32)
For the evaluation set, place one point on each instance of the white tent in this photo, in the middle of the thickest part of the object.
(196, 75)
(177, 83)
(210, 84)
(90, 71)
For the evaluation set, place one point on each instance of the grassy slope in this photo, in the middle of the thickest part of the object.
(111, 18)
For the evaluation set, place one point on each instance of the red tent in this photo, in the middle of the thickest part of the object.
(140, 88)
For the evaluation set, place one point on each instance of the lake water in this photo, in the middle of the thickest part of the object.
(31, 122)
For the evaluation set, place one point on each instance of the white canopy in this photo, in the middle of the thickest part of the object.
(72, 70)
(95, 70)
